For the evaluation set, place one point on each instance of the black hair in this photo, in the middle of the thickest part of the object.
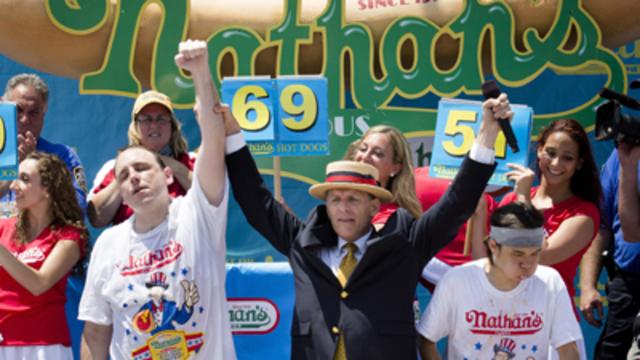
(515, 215)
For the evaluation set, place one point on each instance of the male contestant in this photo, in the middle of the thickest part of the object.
(155, 286)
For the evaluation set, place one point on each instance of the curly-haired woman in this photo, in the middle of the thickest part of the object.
(38, 249)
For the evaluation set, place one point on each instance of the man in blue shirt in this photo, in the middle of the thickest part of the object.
(31, 95)
(620, 211)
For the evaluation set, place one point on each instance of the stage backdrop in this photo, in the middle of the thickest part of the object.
(386, 62)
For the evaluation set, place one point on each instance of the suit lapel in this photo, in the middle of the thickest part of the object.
(379, 246)
(314, 238)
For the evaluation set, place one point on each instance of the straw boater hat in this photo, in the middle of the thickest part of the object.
(151, 97)
(351, 175)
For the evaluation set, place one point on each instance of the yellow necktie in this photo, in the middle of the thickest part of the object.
(347, 265)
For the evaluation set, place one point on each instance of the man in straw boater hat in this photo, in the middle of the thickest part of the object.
(355, 285)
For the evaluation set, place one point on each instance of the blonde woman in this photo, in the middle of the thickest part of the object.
(385, 148)
(155, 127)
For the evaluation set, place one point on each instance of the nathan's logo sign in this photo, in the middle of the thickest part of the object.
(503, 324)
(152, 259)
(252, 315)
(378, 73)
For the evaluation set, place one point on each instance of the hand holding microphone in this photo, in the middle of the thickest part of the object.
(498, 105)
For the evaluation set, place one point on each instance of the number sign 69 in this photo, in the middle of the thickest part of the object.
(297, 101)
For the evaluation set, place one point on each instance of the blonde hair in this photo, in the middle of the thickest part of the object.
(177, 142)
(65, 211)
(402, 185)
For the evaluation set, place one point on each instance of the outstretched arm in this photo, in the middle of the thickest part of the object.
(573, 235)
(591, 304)
(62, 258)
(210, 169)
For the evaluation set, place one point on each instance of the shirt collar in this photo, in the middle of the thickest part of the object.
(361, 243)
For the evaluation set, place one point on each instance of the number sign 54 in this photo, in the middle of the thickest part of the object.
(455, 125)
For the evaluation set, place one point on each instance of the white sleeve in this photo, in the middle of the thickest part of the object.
(564, 328)
(102, 173)
(482, 154)
(208, 222)
(234, 143)
(93, 305)
(435, 323)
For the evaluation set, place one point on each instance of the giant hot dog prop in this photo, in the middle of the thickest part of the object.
(31, 32)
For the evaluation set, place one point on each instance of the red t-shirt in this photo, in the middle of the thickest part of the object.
(124, 211)
(553, 217)
(26, 319)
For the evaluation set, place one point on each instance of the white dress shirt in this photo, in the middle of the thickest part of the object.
(332, 257)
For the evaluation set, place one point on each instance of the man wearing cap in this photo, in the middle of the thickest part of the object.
(31, 95)
(171, 251)
(154, 126)
(355, 285)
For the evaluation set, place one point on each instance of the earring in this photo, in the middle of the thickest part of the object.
(392, 175)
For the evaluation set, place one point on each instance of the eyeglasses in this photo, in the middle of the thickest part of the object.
(148, 119)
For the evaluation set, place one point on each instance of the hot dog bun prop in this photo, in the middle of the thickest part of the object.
(33, 32)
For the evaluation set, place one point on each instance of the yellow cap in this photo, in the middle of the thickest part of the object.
(151, 97)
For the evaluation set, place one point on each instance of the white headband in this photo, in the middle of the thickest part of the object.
(517, 237)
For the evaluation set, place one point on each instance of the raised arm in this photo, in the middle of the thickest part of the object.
(522, 178)
(265, 214)
(477, 228)
(439, 225)
(629, 193)
(62, 258)
(571, 236)
(210, 168)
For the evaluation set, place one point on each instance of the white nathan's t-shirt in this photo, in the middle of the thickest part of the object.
(181, 263)
(482, 322)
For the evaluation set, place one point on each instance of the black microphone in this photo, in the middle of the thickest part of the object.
(490, 90)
